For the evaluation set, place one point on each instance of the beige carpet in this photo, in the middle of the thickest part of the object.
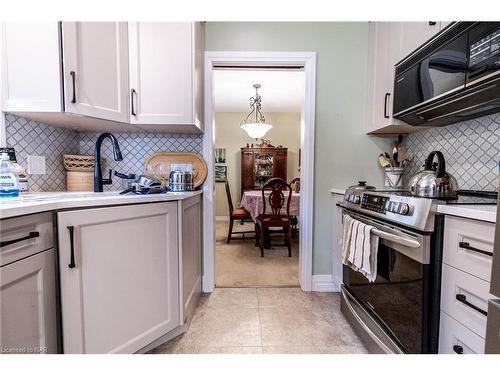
(239, 264)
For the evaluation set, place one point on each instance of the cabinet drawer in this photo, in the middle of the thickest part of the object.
(454, 338)
(27, 235)
(476, 293)
(458, 233)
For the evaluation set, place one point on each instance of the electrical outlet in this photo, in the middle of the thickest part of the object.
(36, 164)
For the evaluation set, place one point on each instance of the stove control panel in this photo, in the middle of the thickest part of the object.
(353, 198)
(381, 204)
(398, 208)
(374, 203)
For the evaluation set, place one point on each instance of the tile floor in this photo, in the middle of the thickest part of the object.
(239, 263)
(266, 320)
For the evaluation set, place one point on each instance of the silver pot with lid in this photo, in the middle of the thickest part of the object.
(361, 186)
(434, 181)
(181, 181)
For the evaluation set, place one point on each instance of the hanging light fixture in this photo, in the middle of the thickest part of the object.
(258, 128)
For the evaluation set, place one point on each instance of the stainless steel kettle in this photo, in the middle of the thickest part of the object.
(434, 181)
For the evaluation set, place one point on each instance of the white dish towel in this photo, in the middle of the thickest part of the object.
(359, 247)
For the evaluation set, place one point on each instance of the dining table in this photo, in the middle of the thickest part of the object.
(253, 203)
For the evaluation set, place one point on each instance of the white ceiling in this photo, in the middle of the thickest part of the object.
(281, 91)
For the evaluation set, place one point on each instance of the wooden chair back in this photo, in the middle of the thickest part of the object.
(272, 194)
(229, 199)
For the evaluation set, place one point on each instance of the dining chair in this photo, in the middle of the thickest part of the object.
(239, 214)
(295, 184)
(273, 195)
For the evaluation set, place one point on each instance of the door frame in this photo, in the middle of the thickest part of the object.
(307, 60)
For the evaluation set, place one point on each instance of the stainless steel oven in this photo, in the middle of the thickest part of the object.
(397, 313)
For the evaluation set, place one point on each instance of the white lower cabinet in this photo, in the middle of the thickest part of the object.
(28, 305)
(457, 338)
(190, 234)
(119, 273)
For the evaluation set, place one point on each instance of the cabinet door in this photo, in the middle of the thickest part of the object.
(161, 56)
(31, 78)
(247, 170)
(95, 56)
(412, 35)
(280, 164)
(381, 73)
(123, 291)
(191, 254)
(28, 305)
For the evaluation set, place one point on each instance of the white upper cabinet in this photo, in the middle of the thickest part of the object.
(95, 56)
(390, 42)
(30, 66)
(164, 72)
(382, 52)
(116, 75)
(412, 35)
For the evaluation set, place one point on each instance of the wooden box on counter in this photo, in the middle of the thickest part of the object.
(258, 164)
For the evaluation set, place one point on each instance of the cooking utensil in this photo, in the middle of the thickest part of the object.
(434, 183)
(144, 185)
(159, 166)
(382, 160)
(181, 181)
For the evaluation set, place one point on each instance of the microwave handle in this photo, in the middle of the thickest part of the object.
(396, 239)
(387, 95)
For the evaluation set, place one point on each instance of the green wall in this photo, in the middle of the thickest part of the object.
(343, 153)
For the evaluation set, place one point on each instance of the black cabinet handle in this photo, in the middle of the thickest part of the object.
(132, 94)
(10, 242)
(465, 245)
(387, 95)
(458, 349)
(73, 79)
(71, 229)
(432, 23)
(462, 298)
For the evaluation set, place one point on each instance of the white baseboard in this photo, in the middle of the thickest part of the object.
(324, 283)
(222, 218)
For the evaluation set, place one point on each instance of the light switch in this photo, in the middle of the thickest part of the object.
(36, 164)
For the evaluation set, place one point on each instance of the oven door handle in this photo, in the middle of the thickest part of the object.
(396, 239)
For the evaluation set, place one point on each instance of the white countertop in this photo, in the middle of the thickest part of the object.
(39, 202)
(470, 211)
(337, 191)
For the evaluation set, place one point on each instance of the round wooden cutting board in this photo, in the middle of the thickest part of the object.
(158, 165)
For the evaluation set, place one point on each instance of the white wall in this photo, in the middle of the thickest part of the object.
(229, 135)
(343, 153)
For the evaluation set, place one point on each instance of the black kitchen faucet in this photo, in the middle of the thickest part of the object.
(117, 155)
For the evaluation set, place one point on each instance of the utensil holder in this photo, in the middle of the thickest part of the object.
(393, 177)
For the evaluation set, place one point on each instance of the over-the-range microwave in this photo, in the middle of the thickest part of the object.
(453, 77)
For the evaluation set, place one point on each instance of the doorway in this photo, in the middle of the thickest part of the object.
(305, 62)
(243, 165)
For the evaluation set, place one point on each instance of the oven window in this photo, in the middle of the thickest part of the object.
(395, 297)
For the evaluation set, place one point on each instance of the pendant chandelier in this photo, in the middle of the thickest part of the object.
(255, 127)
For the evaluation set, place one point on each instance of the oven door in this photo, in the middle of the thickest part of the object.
(396, 298)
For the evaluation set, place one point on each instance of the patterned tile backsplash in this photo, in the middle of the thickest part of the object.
(32, 138)
(136, 148)
(471, 150)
